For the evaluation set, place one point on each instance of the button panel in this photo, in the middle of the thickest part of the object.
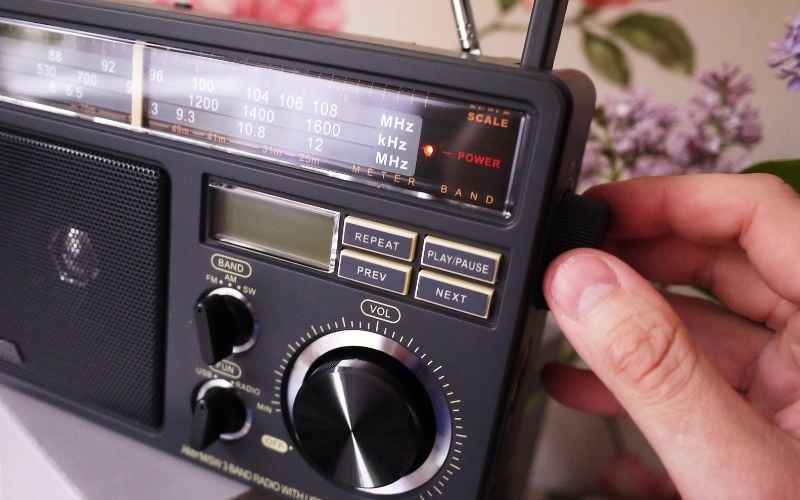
(375, 271)
(454, 293)
(379, 238)
(463, 260)
(384, 256)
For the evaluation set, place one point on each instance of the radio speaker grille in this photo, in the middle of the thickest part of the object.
(83, 273)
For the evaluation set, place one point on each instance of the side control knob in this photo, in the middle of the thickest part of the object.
(363, 419)
(218, 413)
(579, 222)
(225, 324)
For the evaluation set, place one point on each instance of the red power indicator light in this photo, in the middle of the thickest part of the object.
(427, 150)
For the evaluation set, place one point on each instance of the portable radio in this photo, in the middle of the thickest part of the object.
(306, 262)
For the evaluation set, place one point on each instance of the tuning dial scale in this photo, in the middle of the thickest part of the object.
(370, 410)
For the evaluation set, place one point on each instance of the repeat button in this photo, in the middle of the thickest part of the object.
(453, 293)
(379, 238)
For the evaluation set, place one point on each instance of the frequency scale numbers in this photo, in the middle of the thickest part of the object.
(276, 113)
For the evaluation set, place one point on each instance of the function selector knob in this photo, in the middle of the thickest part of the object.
(225, 324)
(367, 413)
(218, 413)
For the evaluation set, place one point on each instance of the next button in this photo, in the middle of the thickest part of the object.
(454, 293)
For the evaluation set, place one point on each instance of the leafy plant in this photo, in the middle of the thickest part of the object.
(659, 37)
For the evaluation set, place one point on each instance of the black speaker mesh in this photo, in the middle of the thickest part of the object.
(83, 273)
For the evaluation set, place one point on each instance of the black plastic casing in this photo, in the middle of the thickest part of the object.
(487, 364)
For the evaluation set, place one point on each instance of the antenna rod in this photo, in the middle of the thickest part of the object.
(544, 32)
(465, 24)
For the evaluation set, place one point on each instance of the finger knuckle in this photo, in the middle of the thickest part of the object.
(652, 355)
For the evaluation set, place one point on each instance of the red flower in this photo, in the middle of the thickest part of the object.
(322, 14)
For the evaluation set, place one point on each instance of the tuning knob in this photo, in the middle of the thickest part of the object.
(579, 222)
(218, 413)
(225, 324)
(363, 419)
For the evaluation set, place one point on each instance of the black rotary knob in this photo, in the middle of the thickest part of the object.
(363, 419)
(217, 413)
(225, 324)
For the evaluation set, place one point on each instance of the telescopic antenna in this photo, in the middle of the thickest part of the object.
(465, 24)
(544, 30)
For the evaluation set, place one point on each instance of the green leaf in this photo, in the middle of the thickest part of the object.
(659, 37)
(507, 4)
(788, 170)
(607, 58)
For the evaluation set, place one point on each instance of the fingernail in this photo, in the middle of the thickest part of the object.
(580, 283)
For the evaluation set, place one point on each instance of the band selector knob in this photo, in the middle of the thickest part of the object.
(225, 324)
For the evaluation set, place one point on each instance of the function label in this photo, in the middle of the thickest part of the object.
(460, 259)
(379, 238)
(454, 293)
(374, 271)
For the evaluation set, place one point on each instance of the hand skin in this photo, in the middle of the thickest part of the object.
(716, 390)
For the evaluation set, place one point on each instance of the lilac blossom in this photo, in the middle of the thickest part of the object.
(786, 55)
(717, 120)
(632, 136)
(628, 138)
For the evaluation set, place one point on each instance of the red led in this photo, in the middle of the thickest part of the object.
(427, 150)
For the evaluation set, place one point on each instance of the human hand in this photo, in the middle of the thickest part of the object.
(715, 390)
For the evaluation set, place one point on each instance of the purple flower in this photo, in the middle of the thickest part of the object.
(718, 120)
(786, 55)
(637, 125)
(632, 136)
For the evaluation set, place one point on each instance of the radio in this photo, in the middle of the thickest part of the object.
(306, 262)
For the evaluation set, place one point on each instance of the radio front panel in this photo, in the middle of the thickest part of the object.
(343, 322)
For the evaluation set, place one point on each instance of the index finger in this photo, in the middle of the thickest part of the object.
(757, 212)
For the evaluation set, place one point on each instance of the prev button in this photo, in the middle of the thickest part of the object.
(375, 271)
(454, 293)
(463, 260)
(379, 238)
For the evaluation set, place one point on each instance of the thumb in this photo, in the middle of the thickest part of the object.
(708, 437)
